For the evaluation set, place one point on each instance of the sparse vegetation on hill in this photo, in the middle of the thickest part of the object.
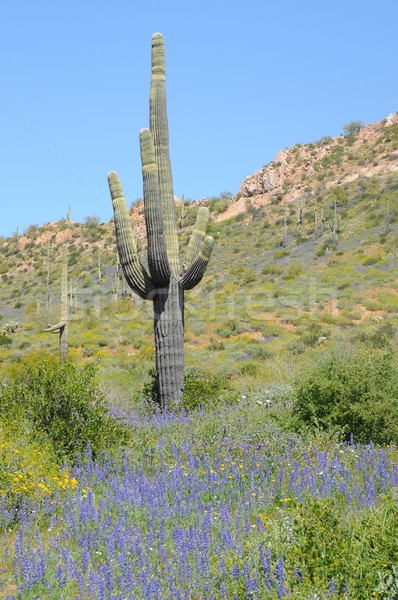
(278, 474)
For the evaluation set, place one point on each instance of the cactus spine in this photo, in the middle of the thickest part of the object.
(62, 326)
(167, 278)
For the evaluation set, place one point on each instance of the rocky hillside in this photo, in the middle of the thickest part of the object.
(373, 150)
(305, 256)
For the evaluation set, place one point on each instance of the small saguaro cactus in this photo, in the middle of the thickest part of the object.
(62, 326)
(167, 276)
(335, 225)
(299, 214)
(387, 230)
(284, 241)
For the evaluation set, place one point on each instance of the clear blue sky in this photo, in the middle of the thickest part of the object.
(244, 79)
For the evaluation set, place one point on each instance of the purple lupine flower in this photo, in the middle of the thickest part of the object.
(281, 579)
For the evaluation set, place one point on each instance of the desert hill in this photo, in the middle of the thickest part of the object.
(305, 256)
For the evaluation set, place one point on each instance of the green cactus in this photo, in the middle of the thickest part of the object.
(335, 225)
(322, 220)
(167, 277)
(299, 214)
(182, 213)
(284, 241)
(62, 326)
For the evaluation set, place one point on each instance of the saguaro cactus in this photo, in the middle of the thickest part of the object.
(299, 214)
(335, 225)
(62, 326)
(168, 276)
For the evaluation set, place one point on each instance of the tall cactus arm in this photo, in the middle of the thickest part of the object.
(197, 237)
(197, 269)
(160, 133)
(158, 263)
(55, 328)
(136, 275)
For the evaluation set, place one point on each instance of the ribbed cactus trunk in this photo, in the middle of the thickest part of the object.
(63, 331)
(62, 326)
(166, 277)
(168, 306)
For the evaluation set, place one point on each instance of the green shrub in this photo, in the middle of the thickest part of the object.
(352, 127)
(261, 352)
(5, 340)
(350, 550)
(248, 276)
(271, 268)
(354, 391)
(216, 345)
(200, 388)
(313, 332)
(296, 347)
(281, 253)
(380, 337)
(371, 260)
(64, 403)
(294, 270)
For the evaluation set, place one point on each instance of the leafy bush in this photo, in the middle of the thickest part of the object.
(352, 127)
(271, 268)
(354, 391)
(327, 546)
(201, 388)
(64, 403)
(29, 467)
(5, 340)
(294, 270)
(371, 260)
(3, 266)
(249, 276)
(281, 253)
(313, 332)
(379, 337)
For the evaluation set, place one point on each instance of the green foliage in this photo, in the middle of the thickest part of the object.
(92, 222)
(29, 468)
(294, 269)
(312, 333)
(352, 127)
(388, 584)
(271, 268)
(201, 388)
(380, 337)
(63, 402)
(249, 276)
(371, 260)
(5, 340)
(354, 391)
(350, 551)
(281, 253)
(3, 266)
(219, 204)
